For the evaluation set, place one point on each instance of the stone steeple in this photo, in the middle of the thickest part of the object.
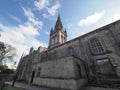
(57, 35)
(58, 25)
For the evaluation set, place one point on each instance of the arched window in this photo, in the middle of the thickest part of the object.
(79, 70)
(52, 41)
(62, 38)
(39, 57)
(38, 71)
(96, 46)
(71, 50)
(55, 54)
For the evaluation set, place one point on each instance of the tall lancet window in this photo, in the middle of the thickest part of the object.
(71, 51)
(56, 39)
(62, 39)
(96, 46)
(52, 41)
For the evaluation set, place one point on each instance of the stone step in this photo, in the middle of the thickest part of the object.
(115, 83)
(98, 88)
(105, 86)
(109, 83)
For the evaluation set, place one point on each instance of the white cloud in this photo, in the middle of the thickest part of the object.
(115, 17)
(23, 36)
(91, 19)
(52, 10)
(70, 25)
(31, 17)
(45, 15)
(47, 5)
(47, 33)
(41, 4)
(15, 18)
(28, 30)
(11, 66)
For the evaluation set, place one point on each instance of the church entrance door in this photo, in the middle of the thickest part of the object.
(104, 69)
(32, 77)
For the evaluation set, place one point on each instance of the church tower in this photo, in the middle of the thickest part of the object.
(57, 35)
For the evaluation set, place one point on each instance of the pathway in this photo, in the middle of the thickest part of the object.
(27, 86)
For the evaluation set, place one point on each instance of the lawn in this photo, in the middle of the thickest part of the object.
(13, 88)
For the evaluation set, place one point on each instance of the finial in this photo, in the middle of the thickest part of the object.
(59, 15)
(31, 50)
(65, 31)
(32, 47)
(51, 31)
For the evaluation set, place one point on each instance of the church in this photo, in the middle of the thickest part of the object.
(86, 60)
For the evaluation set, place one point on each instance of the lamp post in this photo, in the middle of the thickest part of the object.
(18, 70)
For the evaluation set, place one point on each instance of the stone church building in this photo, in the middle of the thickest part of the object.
(73, 64)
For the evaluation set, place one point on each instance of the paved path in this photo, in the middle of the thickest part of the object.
(27, 86)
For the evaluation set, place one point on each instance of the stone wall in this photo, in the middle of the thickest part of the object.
(108, 36)
(63, 50)
(56, 83)
(58, 73)
(58, 68)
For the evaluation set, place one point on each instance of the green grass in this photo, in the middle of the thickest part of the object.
(13, 88)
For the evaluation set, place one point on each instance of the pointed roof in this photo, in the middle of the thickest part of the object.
(51, 31)
(66, 32)
(58, 25)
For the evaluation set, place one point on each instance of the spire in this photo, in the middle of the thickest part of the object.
(51, 31)
(58, 25)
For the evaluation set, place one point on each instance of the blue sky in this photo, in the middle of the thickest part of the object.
(26, 23)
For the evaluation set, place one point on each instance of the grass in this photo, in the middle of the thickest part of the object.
(13, 88)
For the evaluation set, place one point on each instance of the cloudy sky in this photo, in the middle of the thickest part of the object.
(26, 23)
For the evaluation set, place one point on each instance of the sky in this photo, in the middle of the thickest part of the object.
(27, 23)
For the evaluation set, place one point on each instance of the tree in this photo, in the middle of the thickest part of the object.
(3, 67)
(7, 52)
(8, 71)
